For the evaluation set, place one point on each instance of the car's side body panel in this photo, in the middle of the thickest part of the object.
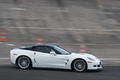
(15, 53)
(48, 60)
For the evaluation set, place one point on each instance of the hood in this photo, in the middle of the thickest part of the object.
(84, 55)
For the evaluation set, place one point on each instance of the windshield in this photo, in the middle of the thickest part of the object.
(64, 52)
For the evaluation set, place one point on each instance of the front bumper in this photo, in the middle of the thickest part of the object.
(94, 65)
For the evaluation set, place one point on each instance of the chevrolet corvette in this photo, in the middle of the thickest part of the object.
(53, 56)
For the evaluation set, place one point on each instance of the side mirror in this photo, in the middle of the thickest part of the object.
(53, 53)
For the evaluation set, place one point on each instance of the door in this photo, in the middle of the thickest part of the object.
(46, 57)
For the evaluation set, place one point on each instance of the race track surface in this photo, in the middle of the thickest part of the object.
(8, 72)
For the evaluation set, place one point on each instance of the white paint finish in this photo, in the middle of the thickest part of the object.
(53, 61)
(49, 60)
(99, 58)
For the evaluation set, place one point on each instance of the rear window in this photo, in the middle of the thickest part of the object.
(28, 48)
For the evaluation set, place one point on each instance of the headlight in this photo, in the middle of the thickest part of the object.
(91, 59)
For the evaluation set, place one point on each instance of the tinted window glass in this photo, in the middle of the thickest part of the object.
(40, 49)
(61, 50)
(28, 48)
(43, 49)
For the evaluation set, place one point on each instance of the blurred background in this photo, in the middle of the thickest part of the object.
(67, 23)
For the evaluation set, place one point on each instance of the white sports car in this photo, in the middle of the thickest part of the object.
(52, 56)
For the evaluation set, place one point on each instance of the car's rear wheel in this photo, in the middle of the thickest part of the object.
(24, 62)
(79, 65)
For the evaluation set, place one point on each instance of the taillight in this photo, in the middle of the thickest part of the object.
(14, 54)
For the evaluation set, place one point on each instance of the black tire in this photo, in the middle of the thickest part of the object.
(79, 65)
(24, 62)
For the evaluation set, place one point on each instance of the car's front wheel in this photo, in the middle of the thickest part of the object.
(24, 62)
(79, 65)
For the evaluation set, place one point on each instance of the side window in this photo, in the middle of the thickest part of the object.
(41, 49)
(49, 49)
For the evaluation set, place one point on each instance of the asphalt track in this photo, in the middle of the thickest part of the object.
(67, 23)
(8, 72)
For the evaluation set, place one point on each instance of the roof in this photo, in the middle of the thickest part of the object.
(52, 45)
